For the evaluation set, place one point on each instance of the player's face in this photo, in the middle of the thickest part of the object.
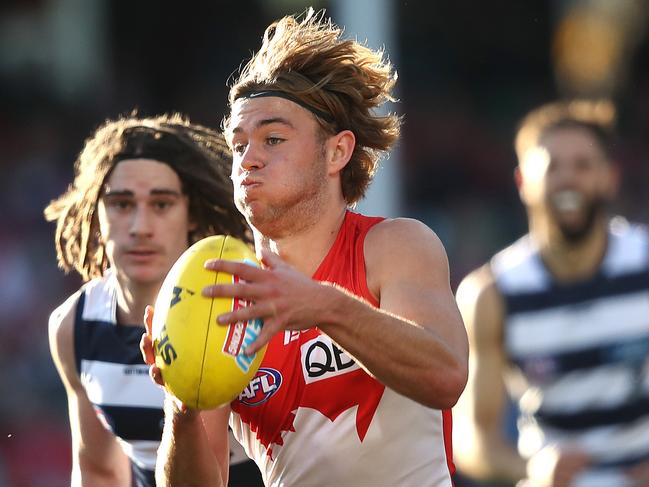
(568, 177)
(279, 169)
(143, 220)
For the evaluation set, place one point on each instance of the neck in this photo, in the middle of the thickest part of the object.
(308, 244)
(571, 261)
(131, 301)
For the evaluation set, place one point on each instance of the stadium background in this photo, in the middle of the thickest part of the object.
(468, 70)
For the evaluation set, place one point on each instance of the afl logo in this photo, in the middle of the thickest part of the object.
(261, 388)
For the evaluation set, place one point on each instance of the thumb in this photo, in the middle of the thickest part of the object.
(148, 319)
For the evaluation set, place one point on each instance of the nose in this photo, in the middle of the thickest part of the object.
(141, 223)
(252, 158)
(567, 174)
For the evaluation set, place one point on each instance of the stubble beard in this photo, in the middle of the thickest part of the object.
(575, 234)
(290, 215)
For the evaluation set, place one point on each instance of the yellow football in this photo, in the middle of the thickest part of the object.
(202, 362)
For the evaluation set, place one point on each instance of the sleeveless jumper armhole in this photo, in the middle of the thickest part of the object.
(78, 331)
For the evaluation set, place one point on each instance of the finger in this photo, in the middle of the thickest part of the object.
(182, 407)
(245, 271)
(270, 259)
(572, 461)
(249, 313)
(240, 290)
(156, 375)
(639, 473)
(568, 467)
(146, 349)
(267, 332)
(173, 405)
(148, 319)
(562, 481)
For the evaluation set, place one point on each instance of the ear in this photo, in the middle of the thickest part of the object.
(340, 148)
(518, 179)
(192, 225)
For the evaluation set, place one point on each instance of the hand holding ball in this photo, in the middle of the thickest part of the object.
(203, 363)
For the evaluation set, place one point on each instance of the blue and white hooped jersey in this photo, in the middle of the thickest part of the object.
(583, 351)
(115, 378)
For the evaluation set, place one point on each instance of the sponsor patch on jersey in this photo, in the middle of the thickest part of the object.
(262, 387)
(321, 359)
(136, 370)
(238, 333)
(234, 340)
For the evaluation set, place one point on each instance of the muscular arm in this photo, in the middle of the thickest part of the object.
(415, 343)
(194, 447)
(97, 459)
(481, 447)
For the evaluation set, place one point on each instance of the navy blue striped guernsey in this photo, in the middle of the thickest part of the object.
(115, 378)
(117, 383)
(582, 350)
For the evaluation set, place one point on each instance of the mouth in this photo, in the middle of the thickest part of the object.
(567, 200)
(249, 182)
(141, 253)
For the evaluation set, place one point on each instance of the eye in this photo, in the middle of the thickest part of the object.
(119, 204)
(274, 140)
(239, 148)
(161, 205)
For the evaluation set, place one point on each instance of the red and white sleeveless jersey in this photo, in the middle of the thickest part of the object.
(313, 417)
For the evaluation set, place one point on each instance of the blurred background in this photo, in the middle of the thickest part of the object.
(468, 71)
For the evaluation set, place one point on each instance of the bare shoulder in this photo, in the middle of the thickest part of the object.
(62, 318)
(61, 337)
(476, 285)
(480, 302)
(397, 250)
(408, 238)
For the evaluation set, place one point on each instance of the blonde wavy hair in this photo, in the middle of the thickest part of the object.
(341, 81)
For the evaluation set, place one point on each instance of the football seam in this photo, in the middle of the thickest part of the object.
(207, 335)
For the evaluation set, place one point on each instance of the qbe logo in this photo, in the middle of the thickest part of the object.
(322, 359)
(262, 387)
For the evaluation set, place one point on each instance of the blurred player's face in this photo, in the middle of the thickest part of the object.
(568, 178)
(143, 220)
(279, 171)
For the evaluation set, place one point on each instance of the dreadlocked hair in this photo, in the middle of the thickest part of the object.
(199, 156)
(308, 60)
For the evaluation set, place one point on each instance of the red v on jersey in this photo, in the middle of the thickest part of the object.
(312, 416)
(340, 385)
